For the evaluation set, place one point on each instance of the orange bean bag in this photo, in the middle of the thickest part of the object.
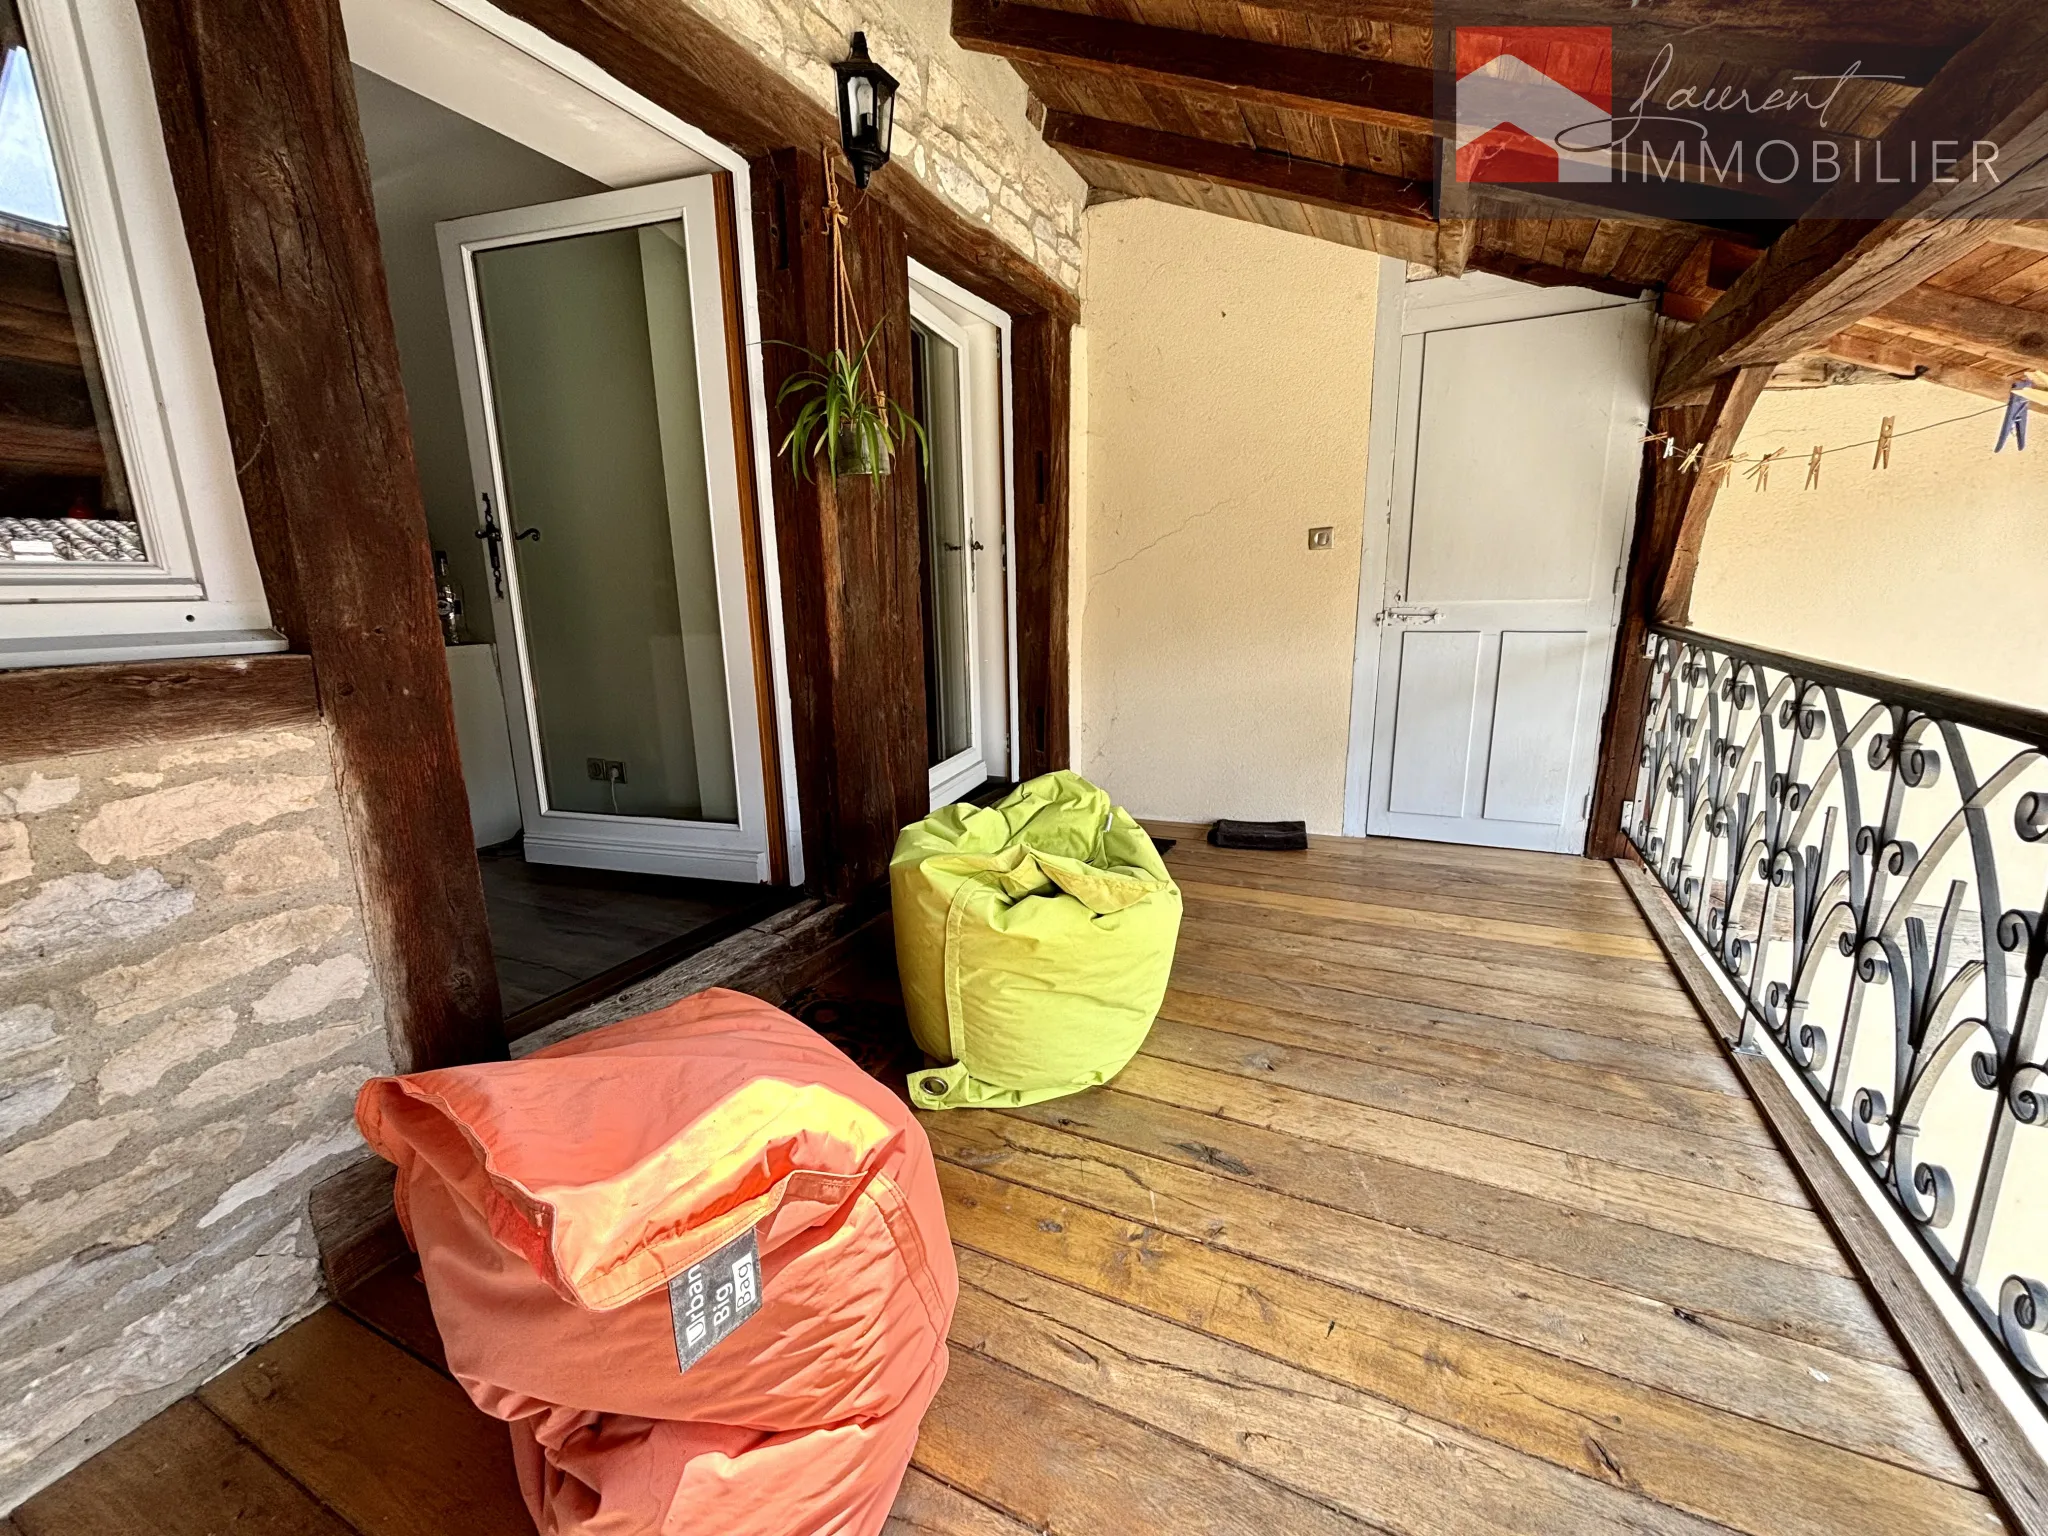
(712, 1184)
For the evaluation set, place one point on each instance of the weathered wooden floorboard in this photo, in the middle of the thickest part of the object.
(1744, 1473)
(1873, 1409)
(388, 1443)
(1827, 1310)
(1113, 1476)
(1328, 1441)
(184, 1473)
(1710, 1160)
(1769, 1228)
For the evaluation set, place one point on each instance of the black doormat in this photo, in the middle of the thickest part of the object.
(1266, 836)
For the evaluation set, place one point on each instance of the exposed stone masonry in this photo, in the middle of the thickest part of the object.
(186, 1012)
(960, 117)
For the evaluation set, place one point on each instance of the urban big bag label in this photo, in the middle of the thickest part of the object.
(714, 1296)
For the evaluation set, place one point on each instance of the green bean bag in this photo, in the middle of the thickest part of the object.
(1034, 938)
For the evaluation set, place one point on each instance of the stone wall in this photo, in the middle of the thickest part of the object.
(960, 117)
(186, 1012)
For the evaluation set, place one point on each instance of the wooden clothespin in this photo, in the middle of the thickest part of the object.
(1691, 461)
(1813, 468)
(1882, 459)
(1760, 471)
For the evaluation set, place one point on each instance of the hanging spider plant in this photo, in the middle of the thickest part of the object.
(844, 419)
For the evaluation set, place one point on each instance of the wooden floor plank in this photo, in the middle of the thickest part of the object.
(1830, 1311)
(1604, 907)
(1626, 945)
(1873, 1409)
(1193, 972)
(1496, 998)
(927, 1507)
(1768, 1228)
(1595, 927)
(1432, 943)
(1524, 1041)
(1466, 1054)
(184, 1473)
(1502, 968)
(1740, 1472)
(1381, 1463)
(1708, 1160)
(394, 1447)
(1112, 1477)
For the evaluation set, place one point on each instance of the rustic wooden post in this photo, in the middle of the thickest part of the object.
(1041, 367)
(260, 122)
(852, 597)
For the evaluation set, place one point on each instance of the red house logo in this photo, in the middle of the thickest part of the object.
(1534, 103)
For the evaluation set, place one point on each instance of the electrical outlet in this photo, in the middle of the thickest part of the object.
(605, 770)
(1319, 538)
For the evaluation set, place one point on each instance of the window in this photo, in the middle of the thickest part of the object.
(122, 533)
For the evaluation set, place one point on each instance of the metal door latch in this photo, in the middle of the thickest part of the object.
(1406, 613)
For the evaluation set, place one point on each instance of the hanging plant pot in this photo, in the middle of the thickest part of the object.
(844, 420)
(859, 454)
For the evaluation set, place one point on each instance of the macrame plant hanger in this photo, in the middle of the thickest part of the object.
(845, 313)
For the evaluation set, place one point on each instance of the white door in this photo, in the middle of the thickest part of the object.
(957, 375)
(1513, 488)
(591, 348)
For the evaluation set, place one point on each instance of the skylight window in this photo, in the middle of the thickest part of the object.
(28, 171)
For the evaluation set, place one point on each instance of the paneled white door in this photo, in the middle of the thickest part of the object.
(1513, 488)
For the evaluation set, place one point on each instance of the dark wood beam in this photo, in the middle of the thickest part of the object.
(2005, 331)
(63, 711)
(1865, 244)
(1041, 369)
(852, 593)
(1368, 194)
(266, 156)
(1735, 395)
(1332, 85)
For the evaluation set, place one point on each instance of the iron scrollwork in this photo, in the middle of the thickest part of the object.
(1868, 862)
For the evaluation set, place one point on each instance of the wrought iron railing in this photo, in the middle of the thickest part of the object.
(1868, 861)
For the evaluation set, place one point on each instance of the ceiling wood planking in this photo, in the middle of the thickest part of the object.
(1834, 267)
(1403, 242)
(1359, 90)
(1385, 199)
(1908, 357)
(2002, 332)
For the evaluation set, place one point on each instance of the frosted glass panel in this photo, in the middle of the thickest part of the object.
(948, 594)
(593, 378)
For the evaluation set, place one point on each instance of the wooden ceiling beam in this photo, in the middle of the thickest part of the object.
(1340, 86)
(2005, 331)
(1388, 199)
(1854, 255)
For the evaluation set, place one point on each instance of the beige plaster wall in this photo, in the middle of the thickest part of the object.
(1934, 569)
(1229, 375)
(186, 1012)
(960, 116)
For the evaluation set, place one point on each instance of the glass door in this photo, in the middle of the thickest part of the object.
(954, 371)
(591, 344)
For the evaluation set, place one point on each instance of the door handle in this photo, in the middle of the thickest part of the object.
(527, 533)
(1407, 613)
(494, 546)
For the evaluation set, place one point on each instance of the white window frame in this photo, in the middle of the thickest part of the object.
(201, 592)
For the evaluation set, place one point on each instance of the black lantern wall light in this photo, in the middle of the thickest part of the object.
(867, 110)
